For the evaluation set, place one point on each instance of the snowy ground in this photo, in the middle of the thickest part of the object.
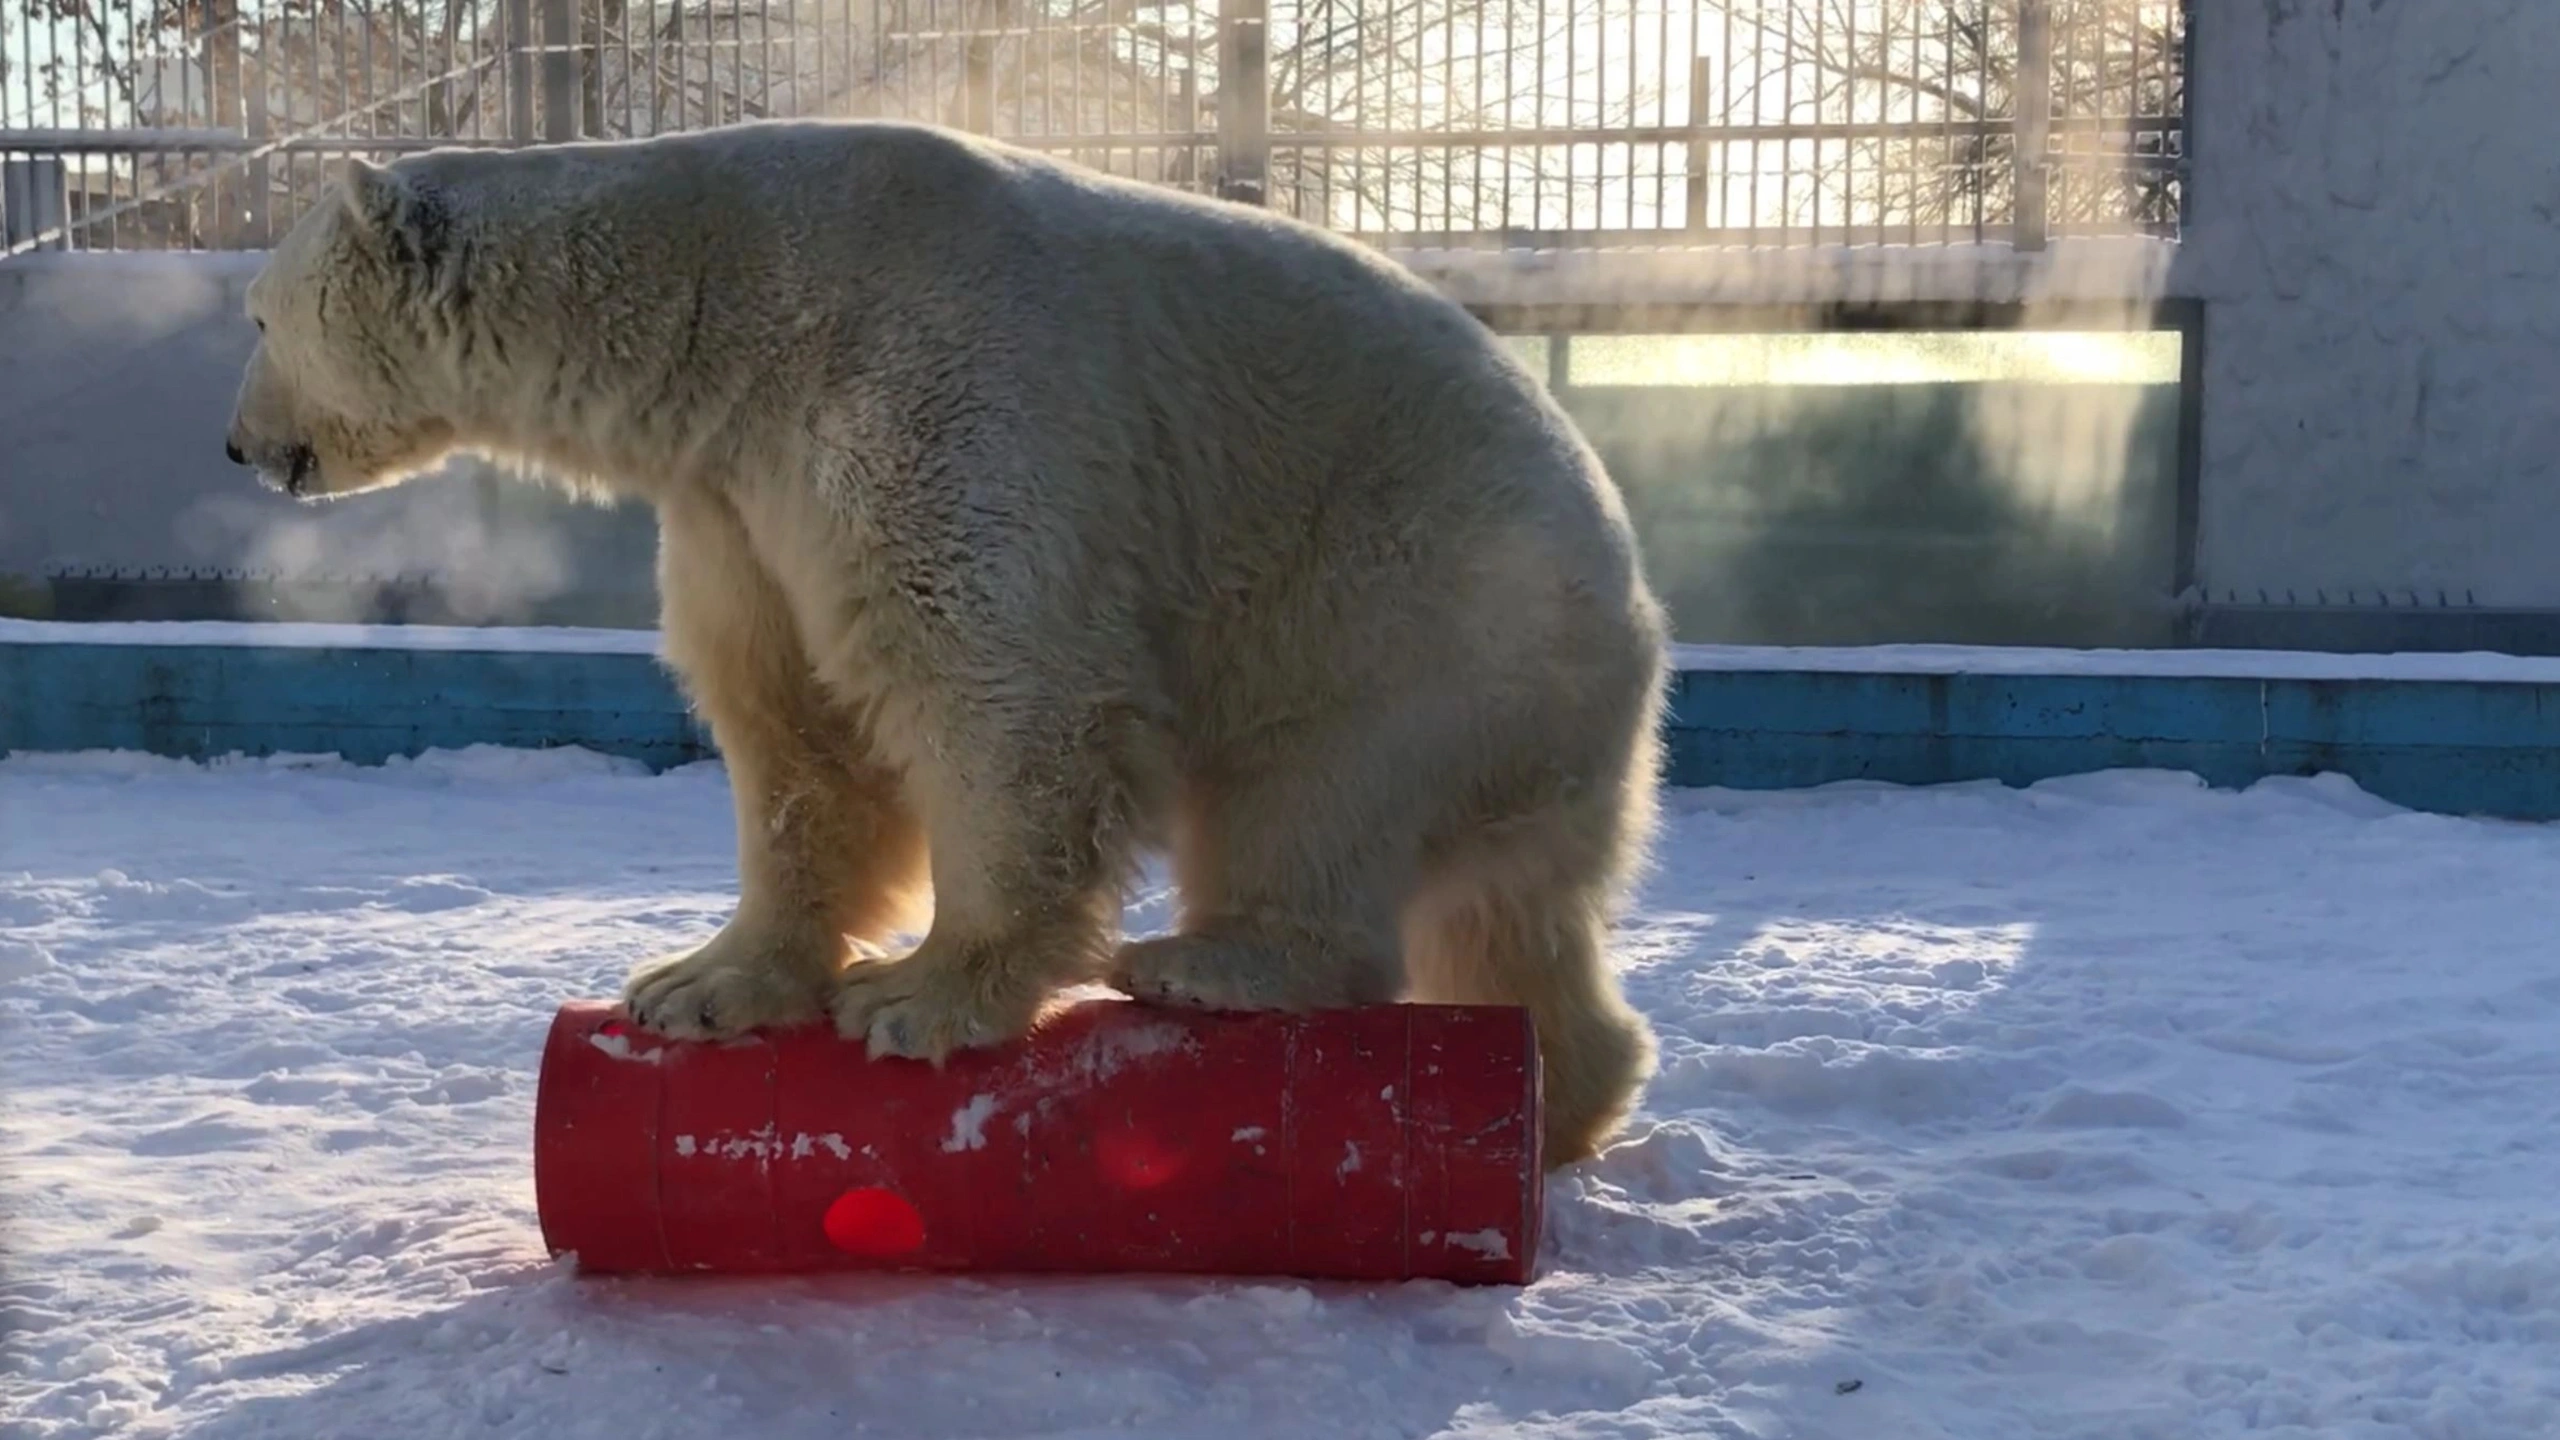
(2115, 1108)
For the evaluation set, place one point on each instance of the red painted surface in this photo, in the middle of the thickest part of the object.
(1390, 1142)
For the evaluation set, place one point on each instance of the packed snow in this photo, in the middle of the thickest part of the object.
(2114, 1108)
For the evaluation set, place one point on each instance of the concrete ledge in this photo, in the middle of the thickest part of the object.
(2456, 735)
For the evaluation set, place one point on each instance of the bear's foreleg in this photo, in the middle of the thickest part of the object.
(1031, 840)
(827, 844)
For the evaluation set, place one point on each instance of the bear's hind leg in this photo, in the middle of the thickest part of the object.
(1519, 913)
(1290, 879)
(827, 845)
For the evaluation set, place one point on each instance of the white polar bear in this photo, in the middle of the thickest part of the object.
(1015, 520)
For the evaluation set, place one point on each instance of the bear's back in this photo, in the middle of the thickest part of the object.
(882, 188)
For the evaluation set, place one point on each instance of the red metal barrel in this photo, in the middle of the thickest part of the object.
(1388, 1142)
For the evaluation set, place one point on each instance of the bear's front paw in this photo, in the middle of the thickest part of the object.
(925, 1007)
(742, 979)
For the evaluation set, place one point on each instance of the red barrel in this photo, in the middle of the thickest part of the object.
(1388, 1142)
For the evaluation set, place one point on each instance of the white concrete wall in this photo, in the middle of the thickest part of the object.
(117, 375)
(2376, 231)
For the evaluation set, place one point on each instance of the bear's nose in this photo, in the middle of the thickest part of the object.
(232, 449)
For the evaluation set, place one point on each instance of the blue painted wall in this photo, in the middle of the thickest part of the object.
(196, 702)
(2455, 747)
(2449, 746)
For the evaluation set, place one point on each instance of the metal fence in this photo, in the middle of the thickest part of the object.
(160, 124)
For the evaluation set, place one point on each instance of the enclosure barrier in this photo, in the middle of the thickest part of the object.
(2456, 734)
(209, 124)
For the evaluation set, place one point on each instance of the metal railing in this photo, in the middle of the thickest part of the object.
(211, 124)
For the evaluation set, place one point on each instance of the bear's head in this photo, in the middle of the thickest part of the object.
(349, 389)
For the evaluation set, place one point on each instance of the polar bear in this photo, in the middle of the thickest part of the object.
(1018, 521)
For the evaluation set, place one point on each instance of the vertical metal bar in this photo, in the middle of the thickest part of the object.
(519, 21)
(1572, 117)
(1911, 153)
(80, 120)
(1475, 182)
(1635, 88)
(1749, 149)
(561, 82)
(641, 60)
(2102, 107)
(182, 204)
(1662, 101)
(1813, 172)
(1387, 96)
(1852, 205)
(401, 99)
(1501, 159)
(101, 236)
(764, 53)
(1187, 94)
(250, 84)
(685, 119)
(1947, 153)
(1696, 217)
(1787, 148)
(1448, 101)
(276, 79)
(1980, 186)
(631, 65)
(2066, 50)
(1600, 117)
(79, 67)
(1538, 119)
(319, 92)
(1244, 101)
(1328, 153)
(1418, 156)
(2035, 108)
(610, 40)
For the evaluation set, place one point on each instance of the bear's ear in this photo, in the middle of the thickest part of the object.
(406, 219)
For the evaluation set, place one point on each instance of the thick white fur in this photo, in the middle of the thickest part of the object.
(1017, 519)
